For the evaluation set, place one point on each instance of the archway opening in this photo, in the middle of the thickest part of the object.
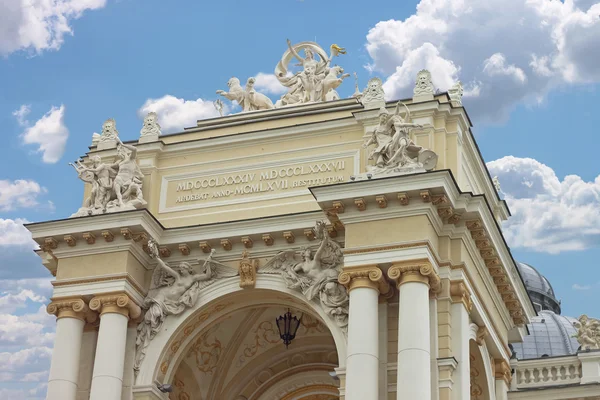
(241, 356)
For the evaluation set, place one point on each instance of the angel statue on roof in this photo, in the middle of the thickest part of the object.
(172, 290)
(316, 81)
(315, 274)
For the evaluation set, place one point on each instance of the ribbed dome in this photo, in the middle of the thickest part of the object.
(550, 335)
(539, 289)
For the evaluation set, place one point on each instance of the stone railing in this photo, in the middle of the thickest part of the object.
(548, 371)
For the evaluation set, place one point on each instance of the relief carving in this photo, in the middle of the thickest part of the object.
(315, 275)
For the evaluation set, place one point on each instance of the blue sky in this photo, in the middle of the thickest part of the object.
(529, 69)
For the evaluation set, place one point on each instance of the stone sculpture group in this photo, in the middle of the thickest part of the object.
(115, 186)
(175, 288)
(394, 150)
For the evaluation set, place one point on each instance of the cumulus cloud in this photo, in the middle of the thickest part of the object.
(12, 232)
(39, 25)
(549, 215)
(49, 132)
(269, 84)
(506, 51)
(19, 194)
(174, 113)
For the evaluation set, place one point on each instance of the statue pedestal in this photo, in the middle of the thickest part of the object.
(422, 97)
(377, 173)
(148, 139)
(590, 366)
(107, 144)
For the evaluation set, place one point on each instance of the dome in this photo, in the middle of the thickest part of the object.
(550, 335)
(539, 289)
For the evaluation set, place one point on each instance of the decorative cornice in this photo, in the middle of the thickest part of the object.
(461, 294)
(119, 303)
(415, 271)
(72, 307)
(502, 370)
(368, 276)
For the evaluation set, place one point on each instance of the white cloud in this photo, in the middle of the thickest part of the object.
(496, 65)
(581, 287)
(49, 132)
(174, 113)
(12, 232)
(549, 215)
(27, 330)
(20, 193)
(39, 25)
(443, 71)
(512, 60)
(269, 84)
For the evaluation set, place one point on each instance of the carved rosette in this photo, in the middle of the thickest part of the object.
(461, 294)
(116, 303)
(369, 277)
(419, 271)
(71, 308)
(502, 370)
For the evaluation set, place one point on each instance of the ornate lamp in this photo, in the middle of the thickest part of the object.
(288, 326)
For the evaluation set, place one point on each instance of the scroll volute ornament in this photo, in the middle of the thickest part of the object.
(415, 271)
(460, 293)
(71, 308)
(370, 277)
(116, 303)
(502, 370)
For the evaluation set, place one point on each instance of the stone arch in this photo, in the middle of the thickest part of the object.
(482, 375)
(216, 302)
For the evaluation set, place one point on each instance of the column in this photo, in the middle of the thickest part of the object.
(503, 377)
(461, 307)
(414, 281)
(115, 311)
(64, 368)
(364, 285)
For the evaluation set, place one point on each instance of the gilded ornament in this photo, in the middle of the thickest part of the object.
(89, 237)
(247, 271)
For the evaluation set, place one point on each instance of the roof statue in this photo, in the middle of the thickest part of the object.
(218, 103)
(173, 289)
(456, 93)
(248, 98)
(373, 96)
(496, 183)
(357, 94)
(588, 333)
(116, 186)
(151, 129)
(316, 81)
(394, 151)
(423, 85)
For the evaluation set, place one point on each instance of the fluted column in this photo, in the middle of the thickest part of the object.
(364, 285)
(461, 307)
(64, 369)
(414, 281)
(115, 311)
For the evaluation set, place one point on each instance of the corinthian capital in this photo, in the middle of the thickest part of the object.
(370, 276)
(72, 307)
(116, 303)
(415, 271)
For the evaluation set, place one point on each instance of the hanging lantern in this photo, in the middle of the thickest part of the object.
(288, 326)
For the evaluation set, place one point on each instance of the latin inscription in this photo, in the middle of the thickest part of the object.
(270, 180)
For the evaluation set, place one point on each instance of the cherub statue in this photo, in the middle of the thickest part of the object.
(588, 334)
(249, 99)
(151, 126)
(315, 275)
(172, 290)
